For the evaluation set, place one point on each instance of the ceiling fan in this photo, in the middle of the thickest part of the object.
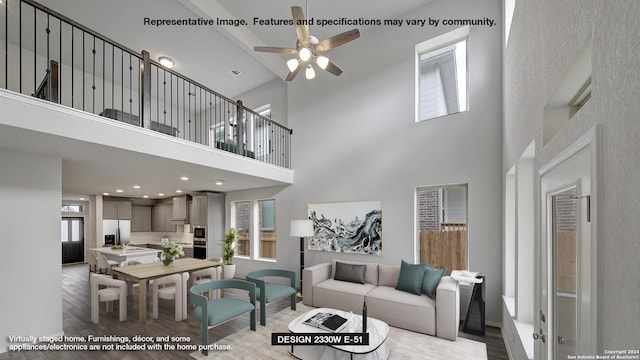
(308, 48)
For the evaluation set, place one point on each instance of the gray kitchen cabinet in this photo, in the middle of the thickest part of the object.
(179, 209)
(199, 215)
(188, 251)
(161, 218)
(141, 218)
(116, 210)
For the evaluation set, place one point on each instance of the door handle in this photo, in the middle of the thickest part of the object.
(540, 336)
(561, 340)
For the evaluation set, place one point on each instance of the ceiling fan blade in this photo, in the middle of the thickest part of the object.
(302, 30)
(277, 50)
(293, 74)
(333, 68)
(337, 40)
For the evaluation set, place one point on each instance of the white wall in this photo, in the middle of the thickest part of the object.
(30, 194)
(355, 138)
(273, 92)
(545, 39)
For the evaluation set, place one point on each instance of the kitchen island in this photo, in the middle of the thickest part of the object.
(127, 253)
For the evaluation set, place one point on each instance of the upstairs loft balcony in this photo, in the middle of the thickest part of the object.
(49, 56)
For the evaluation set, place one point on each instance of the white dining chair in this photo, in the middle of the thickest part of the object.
(105, 264)
(172, 287)
(93, 263)
(205, 275)
(114, 290)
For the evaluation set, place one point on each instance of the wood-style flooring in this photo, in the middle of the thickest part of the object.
(77, 322)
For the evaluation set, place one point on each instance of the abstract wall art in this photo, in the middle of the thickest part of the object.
(347, 227)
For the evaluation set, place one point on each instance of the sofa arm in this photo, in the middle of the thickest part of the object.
(447, 308)
(311, 276)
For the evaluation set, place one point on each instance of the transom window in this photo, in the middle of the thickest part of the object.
(442, 75)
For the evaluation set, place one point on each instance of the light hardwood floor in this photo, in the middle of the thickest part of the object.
(77, 322)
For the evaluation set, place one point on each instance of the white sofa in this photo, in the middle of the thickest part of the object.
(439, 317)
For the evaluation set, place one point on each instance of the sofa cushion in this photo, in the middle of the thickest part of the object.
(411, 277)
(350, 272)
(431, 280)
(388, 275)
(402, 309)
(341, 295)
(370, 276)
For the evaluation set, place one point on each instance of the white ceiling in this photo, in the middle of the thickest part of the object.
(203, 53)
(207, 53)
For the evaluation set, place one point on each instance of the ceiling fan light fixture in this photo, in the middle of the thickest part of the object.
(310, 73)
(292, 64)
(322, 62)
(305, 54)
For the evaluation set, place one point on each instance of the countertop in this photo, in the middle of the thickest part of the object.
(159, 243)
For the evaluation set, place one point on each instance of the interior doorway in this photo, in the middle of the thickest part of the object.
(72, 239)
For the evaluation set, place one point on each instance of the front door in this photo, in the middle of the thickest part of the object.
(72, 238)
(566, 283)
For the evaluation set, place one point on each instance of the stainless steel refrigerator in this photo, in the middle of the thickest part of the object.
(116, 232)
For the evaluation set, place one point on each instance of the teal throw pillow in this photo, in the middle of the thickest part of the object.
(431, 280)
(411, 277)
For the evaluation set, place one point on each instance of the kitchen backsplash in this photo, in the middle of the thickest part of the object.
(183, 235)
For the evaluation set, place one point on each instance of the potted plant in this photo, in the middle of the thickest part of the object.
(228, 252)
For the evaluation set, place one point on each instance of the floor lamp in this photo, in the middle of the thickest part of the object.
(301, 229)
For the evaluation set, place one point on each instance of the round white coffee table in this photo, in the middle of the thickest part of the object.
(378, 332)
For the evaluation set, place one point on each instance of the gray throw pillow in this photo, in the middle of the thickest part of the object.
(411, 276)
(350, 272)
(431, 280)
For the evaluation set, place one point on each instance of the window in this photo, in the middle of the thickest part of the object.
(442, 225)
(71, 208)
(441, 76)
(243, 228)
(262, 128)
(267, 231)
(255, 223)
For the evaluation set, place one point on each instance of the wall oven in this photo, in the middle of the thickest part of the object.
(200, 243)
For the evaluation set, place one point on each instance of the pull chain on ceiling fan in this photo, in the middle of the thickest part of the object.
(309, 48)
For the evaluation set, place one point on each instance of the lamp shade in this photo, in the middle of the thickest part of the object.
(301, 228)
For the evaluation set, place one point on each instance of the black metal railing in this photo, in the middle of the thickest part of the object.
(52, 57)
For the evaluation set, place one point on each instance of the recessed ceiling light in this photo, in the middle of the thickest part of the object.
(219, 182)
(178, 191)
(166, 62)
(105, 194)
(160, 194)
(146, 196)
(119, 190)
(136, 186)
(82, 199)
(184, 178)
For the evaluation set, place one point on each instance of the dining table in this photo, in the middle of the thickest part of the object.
(142, 273)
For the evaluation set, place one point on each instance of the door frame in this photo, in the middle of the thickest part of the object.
(593, 331)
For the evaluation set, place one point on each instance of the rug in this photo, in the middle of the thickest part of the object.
(403, 344)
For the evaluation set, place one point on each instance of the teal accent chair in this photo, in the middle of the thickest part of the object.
(267, 292)
(211, 313)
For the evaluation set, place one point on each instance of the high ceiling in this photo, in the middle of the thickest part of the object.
(204, 53)
(208, 53)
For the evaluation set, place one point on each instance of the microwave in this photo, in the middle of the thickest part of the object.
(199, 232)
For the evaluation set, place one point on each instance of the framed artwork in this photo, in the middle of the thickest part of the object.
(347, 227)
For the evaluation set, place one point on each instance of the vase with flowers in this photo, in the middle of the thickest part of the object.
(170, 251)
